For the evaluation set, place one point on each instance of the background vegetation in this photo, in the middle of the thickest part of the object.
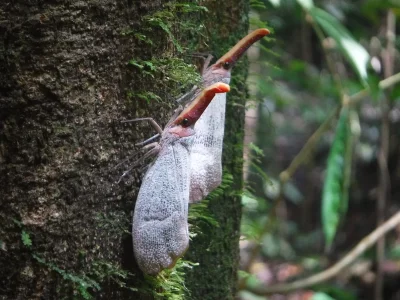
(323, 144)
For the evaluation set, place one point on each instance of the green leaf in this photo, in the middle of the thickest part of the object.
(164, 26)
(26, 239)
(353, 134)
(260, 4)
(374, 90)
(306, 4)
(188, 7)
(148, 96)
(136, 64)
(321, 296)
(374, 8)
(81, 283)
(18, 223)
(336, 185)
(351, 49)
(150, 65)
(336, 292)
(246, 295)
(256, 149)
(394, 252)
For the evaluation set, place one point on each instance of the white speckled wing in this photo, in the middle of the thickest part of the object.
(160, 229)
(206, 150)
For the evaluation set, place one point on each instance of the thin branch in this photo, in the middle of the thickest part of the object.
(384, 177)
(389, 82)
(383, 85)
(331, 272)
(308, 147)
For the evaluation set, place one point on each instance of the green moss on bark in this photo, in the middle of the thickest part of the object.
(65, 84)
(217, 248)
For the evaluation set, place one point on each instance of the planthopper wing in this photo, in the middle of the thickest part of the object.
(206, 150)
(160, 229)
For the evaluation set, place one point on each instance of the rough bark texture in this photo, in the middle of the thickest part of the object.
(64, 81)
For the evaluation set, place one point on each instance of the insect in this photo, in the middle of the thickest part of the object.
(206, 148)
(206, 144)
(159, 228)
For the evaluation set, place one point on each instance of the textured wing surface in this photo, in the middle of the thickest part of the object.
(206, 150)
(160, 230)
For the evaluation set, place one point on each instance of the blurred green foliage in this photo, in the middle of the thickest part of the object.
(312, 184)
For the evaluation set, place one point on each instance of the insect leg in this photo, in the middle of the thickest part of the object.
(126, 159)
(206, 63)
(151, 120)
(154, 149)
(144, 147)
(207, 57)
(186, 97)
(144, 143)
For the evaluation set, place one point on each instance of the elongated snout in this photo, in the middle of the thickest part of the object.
(232, 56)
(189, 116)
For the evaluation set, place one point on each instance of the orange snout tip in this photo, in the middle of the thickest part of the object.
(219, 87)
(262, 31)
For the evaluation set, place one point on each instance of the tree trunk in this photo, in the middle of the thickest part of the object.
(216, 248)
(65, 85)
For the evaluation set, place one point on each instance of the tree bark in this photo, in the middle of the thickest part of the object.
(65, 85)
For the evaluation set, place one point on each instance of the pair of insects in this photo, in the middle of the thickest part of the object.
(194, 138)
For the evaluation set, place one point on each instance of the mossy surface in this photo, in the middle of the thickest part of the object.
(216, 249)
(70, 71)
(67, 79)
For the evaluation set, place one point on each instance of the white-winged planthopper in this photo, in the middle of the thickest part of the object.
(160, 228)
(206, 144)
(206, 148)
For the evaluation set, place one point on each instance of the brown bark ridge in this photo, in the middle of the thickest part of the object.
(216, 248)
(64, 81)
(65, 85)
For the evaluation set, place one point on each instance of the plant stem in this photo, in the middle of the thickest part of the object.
(384, 176)
(366, 243)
